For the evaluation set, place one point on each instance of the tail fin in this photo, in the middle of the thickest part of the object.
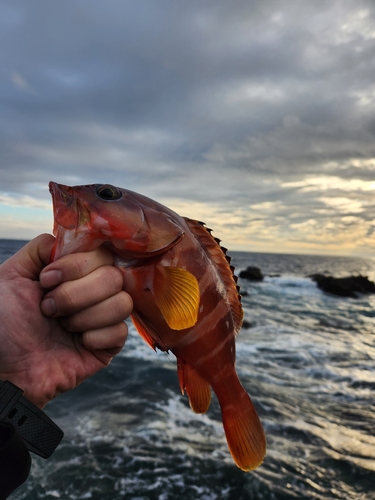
(244, 433)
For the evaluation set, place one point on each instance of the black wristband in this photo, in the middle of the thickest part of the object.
(40, 434)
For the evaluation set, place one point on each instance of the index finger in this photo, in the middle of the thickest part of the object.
(74, 266)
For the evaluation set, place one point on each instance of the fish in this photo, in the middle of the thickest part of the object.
(185, 295)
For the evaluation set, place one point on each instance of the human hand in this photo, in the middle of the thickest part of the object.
(61, 322)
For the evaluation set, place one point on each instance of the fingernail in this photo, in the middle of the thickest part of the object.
(48, 306)
(50, 278)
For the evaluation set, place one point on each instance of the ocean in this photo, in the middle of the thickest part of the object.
(307, 360)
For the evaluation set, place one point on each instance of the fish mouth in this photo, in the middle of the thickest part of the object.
(68, 210)
(71, 218)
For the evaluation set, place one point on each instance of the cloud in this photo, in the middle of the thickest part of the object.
(21, 83)
(259, 116)
(24, 201)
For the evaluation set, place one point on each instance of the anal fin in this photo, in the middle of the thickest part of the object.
(196, 387)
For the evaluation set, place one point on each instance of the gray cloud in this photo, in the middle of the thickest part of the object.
(232, 104)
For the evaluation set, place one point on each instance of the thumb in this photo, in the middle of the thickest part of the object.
(31, 259)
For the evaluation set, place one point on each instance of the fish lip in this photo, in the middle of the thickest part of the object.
(60, 190)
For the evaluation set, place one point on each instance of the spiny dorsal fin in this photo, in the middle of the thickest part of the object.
(222, 261)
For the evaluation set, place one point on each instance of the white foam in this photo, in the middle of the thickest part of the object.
(290, 281)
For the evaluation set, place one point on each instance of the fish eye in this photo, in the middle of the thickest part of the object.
(108, 193)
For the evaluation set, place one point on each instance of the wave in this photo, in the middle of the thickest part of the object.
(291, 281)
(306, 359)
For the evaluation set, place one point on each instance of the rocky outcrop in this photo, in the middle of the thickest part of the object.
(252, 273)
(246, 324)
(350, 286)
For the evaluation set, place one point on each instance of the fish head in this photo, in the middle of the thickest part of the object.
(130, 224)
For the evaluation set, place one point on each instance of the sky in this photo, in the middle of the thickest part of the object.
(257, 117)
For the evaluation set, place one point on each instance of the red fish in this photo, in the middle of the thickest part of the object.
(184, 293)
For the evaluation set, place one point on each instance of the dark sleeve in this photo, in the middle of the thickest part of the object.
(15, 460)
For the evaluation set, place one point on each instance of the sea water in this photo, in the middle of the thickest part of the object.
(307, 360)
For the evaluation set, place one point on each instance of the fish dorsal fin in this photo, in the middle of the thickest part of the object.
(176, 293)
(222, 261)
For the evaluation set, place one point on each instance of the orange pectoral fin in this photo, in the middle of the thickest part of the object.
(196, 387)
(176, 293)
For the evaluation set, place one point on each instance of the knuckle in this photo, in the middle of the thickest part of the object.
(122, 307)
(81, 265)
(72, 266)
(112, 279)
(121, 335)
(127, 302)
(65, 299)
(124, 335)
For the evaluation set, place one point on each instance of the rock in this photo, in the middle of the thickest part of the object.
(350, 286)
(246, 324)
(252, 273)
